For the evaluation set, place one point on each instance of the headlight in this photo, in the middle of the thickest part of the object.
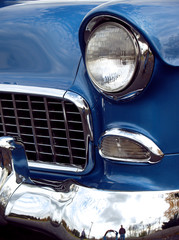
(111, 57)
(118, 59)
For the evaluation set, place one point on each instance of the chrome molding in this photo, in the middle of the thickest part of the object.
(62, 94)
(84, 111)
(66, 211)
(145, 61)
(48, 166)
(32, 90)
(155, 153)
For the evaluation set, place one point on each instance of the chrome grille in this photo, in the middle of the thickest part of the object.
(50, 128)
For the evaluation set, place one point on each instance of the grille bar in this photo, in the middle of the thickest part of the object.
(16, 115)
(67, 132)
(2, 119)
(50, 128)
(33, 128)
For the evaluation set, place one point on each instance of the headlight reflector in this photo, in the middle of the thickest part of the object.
(111, 57)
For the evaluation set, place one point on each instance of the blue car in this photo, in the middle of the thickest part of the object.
(89, 123)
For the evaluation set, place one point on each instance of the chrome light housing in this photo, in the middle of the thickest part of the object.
(118, 59)
(122, 145)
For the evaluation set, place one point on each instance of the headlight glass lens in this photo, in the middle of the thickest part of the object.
(111, 57)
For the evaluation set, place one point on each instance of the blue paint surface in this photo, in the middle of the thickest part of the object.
(39, 46)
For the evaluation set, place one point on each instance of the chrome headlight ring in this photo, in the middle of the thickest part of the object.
(118, 59)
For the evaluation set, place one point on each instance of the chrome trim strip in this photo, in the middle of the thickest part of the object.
(48, 166)
(145, 59)
(84, 110)
(69, 209)
(155, 153)
(32, 90)
(67, 95)
(86, 117)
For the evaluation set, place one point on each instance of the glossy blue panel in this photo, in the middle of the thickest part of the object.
(20, 161)
(82, 85)
(154, 113)
(156, 20)
(161, 176)
(39, 43)
(39, 47)
(5, 3)
(125, 177)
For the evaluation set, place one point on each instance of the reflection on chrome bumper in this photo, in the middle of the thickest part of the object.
(67, 210)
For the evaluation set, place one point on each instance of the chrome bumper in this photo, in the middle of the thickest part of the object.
(69, 208)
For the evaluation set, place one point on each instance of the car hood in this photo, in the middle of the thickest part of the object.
(39, 42)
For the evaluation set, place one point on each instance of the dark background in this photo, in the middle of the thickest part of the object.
(13, 232)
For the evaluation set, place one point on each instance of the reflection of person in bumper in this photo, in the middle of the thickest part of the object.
(122, 232)
(83, 235)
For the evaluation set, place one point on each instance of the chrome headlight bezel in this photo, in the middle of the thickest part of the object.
(144, 59)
